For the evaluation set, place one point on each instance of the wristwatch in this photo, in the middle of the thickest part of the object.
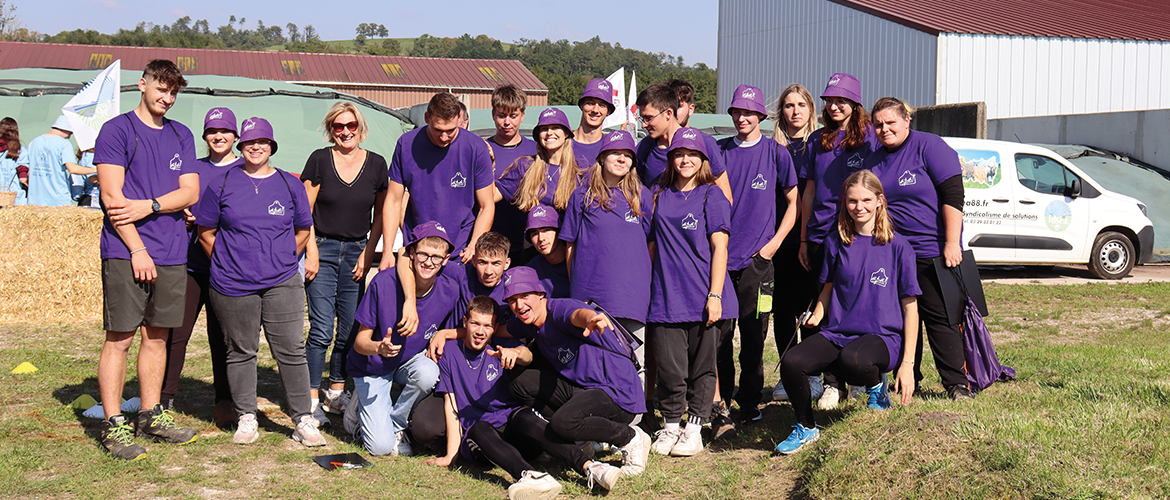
(154, 206)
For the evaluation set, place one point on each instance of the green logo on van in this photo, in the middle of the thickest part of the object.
(981, 169)
(1058, 216)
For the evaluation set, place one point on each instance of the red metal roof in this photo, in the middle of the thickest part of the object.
(1113, 19)
(281, 66)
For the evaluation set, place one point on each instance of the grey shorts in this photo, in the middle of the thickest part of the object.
(128, 304)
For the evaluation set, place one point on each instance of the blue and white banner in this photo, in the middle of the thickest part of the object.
(98, 101)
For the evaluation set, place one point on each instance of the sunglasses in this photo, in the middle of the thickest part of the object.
(338, 127)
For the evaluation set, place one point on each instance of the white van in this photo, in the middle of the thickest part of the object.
(1028, 205)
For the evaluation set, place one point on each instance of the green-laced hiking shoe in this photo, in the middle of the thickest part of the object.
(118, 439)
(159, 424)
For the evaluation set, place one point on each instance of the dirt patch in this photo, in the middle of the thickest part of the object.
(1088, 325)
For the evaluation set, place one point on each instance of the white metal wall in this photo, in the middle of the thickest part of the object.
(772, 43)
(1031, 76)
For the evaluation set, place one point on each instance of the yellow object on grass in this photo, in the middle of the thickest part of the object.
(23, 368)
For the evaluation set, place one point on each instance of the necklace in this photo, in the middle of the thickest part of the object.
(256, 185)
(468, 361)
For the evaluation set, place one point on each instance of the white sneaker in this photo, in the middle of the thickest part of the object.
(335, 402)
(306, 432)
(602, 474)
(829, 399)
(351, 421)
(689, 444)
(534, 485)
(779, 394)
(636, 453)
(247, 430)
(320, 416)
(816, 388)
(665, 439)
(402, 448)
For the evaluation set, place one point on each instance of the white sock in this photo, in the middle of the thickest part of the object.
(692, 428)
(672, 426)
(313, 402)
(332, 393)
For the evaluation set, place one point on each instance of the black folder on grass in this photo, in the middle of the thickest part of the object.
(342, 461)
(954, 291)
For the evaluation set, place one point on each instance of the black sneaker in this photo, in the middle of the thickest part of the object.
(650, 423)
(959, 393)
(159, 424)
(118, 439)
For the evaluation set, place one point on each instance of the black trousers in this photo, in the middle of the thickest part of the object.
(753, 327)
(946, 339)
(198, 296)
(685, 353)
(795, 288)
(513, 445)
(860, 362)
(428, 423)
(573, 412)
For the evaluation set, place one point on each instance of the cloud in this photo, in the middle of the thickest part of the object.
(110, 4)
(178, 12)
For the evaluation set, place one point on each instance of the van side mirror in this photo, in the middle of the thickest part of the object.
(1074, 190)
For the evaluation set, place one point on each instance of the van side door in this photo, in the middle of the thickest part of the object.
(1052, 223)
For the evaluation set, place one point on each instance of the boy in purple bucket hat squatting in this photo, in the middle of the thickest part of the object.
(543, 227)
(596, 105)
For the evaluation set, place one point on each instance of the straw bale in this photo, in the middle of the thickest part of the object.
(50, 264)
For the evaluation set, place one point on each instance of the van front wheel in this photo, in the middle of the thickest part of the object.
(1112, 256)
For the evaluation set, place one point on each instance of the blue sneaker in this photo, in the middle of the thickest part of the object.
(800, 436)
(879, 396)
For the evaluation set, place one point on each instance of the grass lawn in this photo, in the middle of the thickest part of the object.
(1088, 417)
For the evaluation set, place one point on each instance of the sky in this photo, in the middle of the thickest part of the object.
(688, 29)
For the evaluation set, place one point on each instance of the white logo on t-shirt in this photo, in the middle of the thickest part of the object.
(907, 179)
(276, 208)
(492, 373)
(430, 332)
(879, 277)
(759, 182)
(690, 222)
(565, 355)
(854, 162)
(630, 217)
(458, 181)
(176, 162)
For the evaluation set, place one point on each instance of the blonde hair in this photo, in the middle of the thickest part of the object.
(780, 133)
(597, 194)
(883, 227)
(532, 186)
(335, 111)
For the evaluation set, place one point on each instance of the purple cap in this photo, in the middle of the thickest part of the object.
(523, 279)
(220, 118)
(601, 89)
(843, 85)
(749, 98)
(426, 230)
(255, 128)
(542, 216)
(689, 138)
(617, 141)
(551, 116)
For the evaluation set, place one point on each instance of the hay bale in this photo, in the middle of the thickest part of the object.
(50, 264)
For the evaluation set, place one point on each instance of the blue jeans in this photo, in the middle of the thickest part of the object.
(332, 295)
(382, 417)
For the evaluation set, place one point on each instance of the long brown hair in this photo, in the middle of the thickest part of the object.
(703, 176)
(855, 129)
(9, 130)
(598, 195)
(532, 186)
(883, 227)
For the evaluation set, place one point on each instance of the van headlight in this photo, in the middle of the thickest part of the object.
(1142, 207)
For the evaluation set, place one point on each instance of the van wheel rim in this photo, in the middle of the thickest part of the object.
(1114, 257)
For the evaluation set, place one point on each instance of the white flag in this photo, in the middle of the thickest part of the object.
(631, 103)
(617, 82)
(98, 101)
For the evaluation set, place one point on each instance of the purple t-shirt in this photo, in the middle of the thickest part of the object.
(479, 384)
(829, 169)
(586, 154)
(591, 362)
(910, 176)
(652, 159)
(255, 244)
(554, 277)
(209, 174)
(381, 308)
(467, 279)
(509, 183)
(610, 264)
(681, 274)
(442, 181)
(869, 281)
(757, 174)
(510, 220)
(159, 157)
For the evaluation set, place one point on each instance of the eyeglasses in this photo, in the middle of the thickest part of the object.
(338, 127)
(423, 258)
(257, 142)
(647, 119)
(839, 102)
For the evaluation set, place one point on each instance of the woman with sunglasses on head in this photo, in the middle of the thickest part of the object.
(253, 237)
(346, 186)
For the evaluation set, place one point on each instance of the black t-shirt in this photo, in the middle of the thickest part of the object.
(345, 211)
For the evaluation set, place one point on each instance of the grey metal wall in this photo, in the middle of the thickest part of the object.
(772, 43)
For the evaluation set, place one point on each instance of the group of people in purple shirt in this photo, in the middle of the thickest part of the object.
(640, 260)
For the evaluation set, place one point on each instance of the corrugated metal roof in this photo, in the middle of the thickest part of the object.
(1111, 19)
(281, 66)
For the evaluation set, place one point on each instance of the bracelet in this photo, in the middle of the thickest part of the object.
(713, 294)
(143, 249)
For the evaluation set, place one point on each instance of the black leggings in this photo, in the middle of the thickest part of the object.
(428, 422)
(860, 362)
(946, 340)
(198, 293)
(525, 435)
(573, 412)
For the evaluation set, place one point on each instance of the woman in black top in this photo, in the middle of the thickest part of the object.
(346, 186)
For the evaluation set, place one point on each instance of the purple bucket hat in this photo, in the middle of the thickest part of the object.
(689, 138)
(220, 118)
(749, 98)
(255, 128)
(426, 230)
(542, 216)
(551, 116)
(843, 85)
(523, 279)
(601, 89)
(616, 141)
